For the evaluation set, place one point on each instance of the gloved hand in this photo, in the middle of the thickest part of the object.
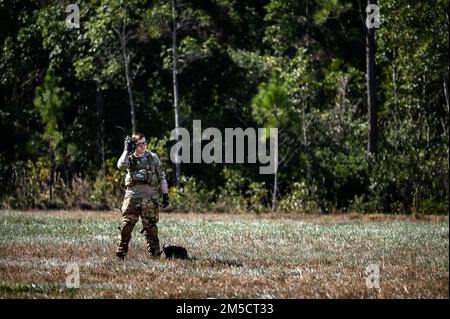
(129, 145)
(165, 201)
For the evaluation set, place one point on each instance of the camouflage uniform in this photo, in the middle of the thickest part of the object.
(144, 175)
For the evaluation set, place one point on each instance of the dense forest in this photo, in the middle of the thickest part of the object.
(362, 112)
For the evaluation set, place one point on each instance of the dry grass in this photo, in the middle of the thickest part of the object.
(243, 256)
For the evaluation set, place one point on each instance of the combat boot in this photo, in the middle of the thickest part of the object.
(122, 249)
(151, 236)
(155, 251)
(153, 248)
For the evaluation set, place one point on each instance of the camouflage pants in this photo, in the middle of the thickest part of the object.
(132, 209)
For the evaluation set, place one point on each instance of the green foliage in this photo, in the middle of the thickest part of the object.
(230, 196)
(191, 196)
(298, 66)
(256, 196)
(299, 200)
(30, 185)
(50, 101)
(107, 189)
(412, 170)
(31, 190)
(270, 105)
(329, 9)
(237, 195)
(104, 61)
(157, 19)
(283, 20)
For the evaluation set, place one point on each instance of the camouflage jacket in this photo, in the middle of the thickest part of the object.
(143, 173)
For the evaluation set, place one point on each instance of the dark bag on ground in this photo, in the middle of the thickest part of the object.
(177, 252)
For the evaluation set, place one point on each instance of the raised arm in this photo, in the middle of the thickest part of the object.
(123, 161)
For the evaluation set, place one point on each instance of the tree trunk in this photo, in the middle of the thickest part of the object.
(446, 94)
(126, 59)
(124, 37)
(99, 104)
(175, 83)
(274, 192)
(52, 174)
(275, 175)
(371, 89)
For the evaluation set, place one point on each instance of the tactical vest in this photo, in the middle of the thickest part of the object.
(142, 170)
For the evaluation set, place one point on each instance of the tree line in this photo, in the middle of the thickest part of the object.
(362, 112)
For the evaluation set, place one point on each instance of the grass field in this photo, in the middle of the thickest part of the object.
(233, 256)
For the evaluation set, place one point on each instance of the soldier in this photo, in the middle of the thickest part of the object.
(144, 174)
